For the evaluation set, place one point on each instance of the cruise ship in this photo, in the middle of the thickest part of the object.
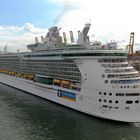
(89, 77)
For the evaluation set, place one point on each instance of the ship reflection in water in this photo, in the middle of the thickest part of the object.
(25, 117)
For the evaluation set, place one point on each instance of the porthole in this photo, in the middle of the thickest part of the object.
(103, 76)
(121, 86)
(110, 107)
(105, 100)
(104, 93)
(100, 93)
(137, 101)
(100, 100)
(110, 94)
(110, 101)
(116, 102)
(105, 106)
(126, 108)
(106, 81)
(116, 107)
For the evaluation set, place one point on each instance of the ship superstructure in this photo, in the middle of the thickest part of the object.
(89, 77)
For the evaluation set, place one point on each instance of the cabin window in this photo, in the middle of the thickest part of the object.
(116, 107)
(132, 94)
(106, 81)
(129, 102)
(116, 102)
(103, 76)
(127, 108)
(137, 101)
(105, 100)
(119, 94)
(110, 101)
(105, 106)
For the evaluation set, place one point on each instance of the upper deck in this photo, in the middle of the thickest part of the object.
(53, 43)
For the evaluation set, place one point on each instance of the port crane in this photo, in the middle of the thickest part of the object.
(130, 46)
(133, 57)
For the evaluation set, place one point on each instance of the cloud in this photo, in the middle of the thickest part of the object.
(17, 37)
(111, 19)
(32, 29)
(66, 8)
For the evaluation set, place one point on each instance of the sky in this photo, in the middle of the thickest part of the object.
(21, 21)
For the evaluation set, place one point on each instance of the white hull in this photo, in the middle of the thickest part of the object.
(50, 93)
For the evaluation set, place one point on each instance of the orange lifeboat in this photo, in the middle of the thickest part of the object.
(65, 82)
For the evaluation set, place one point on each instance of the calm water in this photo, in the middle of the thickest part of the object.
(25, 117)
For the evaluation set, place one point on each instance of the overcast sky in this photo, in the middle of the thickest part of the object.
(21, 21)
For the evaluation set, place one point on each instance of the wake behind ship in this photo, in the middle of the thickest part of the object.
(89, 77)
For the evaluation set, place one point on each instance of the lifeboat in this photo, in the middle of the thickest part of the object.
(57, 81)
(64, 82)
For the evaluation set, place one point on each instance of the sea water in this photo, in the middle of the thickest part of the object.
(26, 117)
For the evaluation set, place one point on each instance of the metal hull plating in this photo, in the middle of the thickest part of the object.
(50, 93)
